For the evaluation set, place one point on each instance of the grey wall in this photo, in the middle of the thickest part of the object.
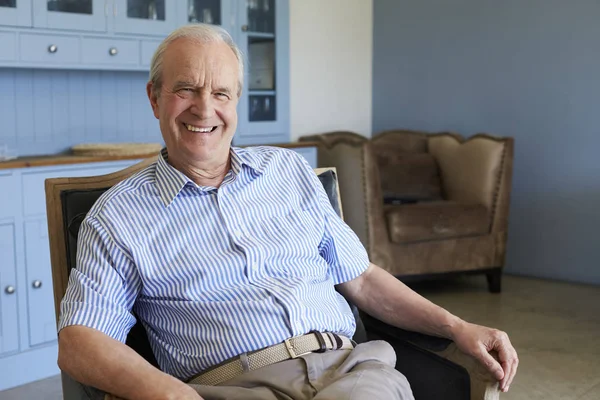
(47, 111)
(528, 69)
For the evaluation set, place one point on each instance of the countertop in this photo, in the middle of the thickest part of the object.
(60, 159)
(65, 158)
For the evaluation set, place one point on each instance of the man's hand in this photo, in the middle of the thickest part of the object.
(478, 341)
(381, 295)
(184, 394)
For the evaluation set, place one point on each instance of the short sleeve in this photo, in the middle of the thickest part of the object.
(340, 247)
(103, 287)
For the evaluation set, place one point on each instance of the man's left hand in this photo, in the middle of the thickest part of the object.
(478, 341)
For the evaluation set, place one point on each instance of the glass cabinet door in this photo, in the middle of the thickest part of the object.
(204, 11)
(264, 106)
(146, 17)
(85, 15)
(15, 12)
(215, 12)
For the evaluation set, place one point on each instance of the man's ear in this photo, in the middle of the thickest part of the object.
(153, 97)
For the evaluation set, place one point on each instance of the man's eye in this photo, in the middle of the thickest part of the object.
(222, 95)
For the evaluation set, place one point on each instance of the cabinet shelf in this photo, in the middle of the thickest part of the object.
(262, 92)
(261, 35)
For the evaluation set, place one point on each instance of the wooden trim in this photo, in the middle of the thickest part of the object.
(319, 171)
(66, 159)
(294, 145)
(459, 138)
(44, 161)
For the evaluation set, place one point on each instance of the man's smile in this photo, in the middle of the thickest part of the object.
(199, 129)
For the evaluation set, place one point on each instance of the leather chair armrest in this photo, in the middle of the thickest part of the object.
(423, 359)
(360, 189)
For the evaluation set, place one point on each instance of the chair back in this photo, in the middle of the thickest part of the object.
(68, 200)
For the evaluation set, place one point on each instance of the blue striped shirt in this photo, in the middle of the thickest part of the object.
(213, 273)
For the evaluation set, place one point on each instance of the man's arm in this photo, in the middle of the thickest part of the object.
(381, 295)
(95, 359)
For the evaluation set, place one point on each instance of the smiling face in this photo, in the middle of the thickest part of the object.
(196, 106)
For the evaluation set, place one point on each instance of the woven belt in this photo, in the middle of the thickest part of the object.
(291, 348)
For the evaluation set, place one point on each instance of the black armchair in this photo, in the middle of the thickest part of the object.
(434, 367)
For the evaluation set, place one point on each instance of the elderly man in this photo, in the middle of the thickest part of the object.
(230, 255)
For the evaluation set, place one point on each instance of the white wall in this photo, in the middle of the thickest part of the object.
(331, 48)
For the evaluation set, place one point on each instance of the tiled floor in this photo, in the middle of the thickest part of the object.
(554, 326)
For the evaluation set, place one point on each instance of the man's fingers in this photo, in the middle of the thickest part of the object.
(508, 367)
(515, 365)
(491, 364)
(508, 358)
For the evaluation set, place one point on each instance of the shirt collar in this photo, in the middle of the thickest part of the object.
(171, 181)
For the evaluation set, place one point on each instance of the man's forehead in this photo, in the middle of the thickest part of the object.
(192, 59)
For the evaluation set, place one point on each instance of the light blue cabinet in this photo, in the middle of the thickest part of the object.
(146, 17)
(15, 13)
(82, 15)
(9, 325)
(41, 316)
(28, 345)
(263, 35)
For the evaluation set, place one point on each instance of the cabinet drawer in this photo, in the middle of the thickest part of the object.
(8, 46)
(110, 51)
(52, 49)
(148, 49)
(9, 204)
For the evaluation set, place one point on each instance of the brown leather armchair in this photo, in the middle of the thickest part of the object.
(425, 204)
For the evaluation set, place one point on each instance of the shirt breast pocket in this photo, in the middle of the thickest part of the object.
(295, 236)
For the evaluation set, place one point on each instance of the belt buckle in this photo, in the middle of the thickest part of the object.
(290, 349)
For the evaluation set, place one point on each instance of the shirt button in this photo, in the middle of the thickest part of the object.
(237, 233)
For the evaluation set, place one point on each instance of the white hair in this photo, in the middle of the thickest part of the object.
(201, 32)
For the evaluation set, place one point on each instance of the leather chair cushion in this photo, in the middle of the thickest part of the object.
(401, 141)
(435, 220)
(408, 177)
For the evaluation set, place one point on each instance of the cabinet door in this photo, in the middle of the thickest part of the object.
(215, 12)
(83, 15)
(9, 321)
(40, 298)
(15, 12)
(263, 36)
(149, 17)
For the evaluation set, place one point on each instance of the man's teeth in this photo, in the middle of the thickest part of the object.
(194, 129)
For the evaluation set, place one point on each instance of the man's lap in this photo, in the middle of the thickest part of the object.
(368, 370)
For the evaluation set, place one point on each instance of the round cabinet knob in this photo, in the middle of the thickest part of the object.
(52, 48)
(113, 51)
(9, 289)
(36, 284)
(244, 28)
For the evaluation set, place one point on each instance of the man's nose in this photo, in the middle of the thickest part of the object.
(203, 106)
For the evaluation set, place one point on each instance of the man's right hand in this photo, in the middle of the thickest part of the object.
(189, 395)
(95, 359)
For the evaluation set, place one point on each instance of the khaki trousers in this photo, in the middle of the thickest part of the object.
(367, 372)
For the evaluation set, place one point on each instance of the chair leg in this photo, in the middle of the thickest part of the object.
(494, 279)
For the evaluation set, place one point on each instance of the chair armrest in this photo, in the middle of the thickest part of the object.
(424, 359)
(360, 189)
